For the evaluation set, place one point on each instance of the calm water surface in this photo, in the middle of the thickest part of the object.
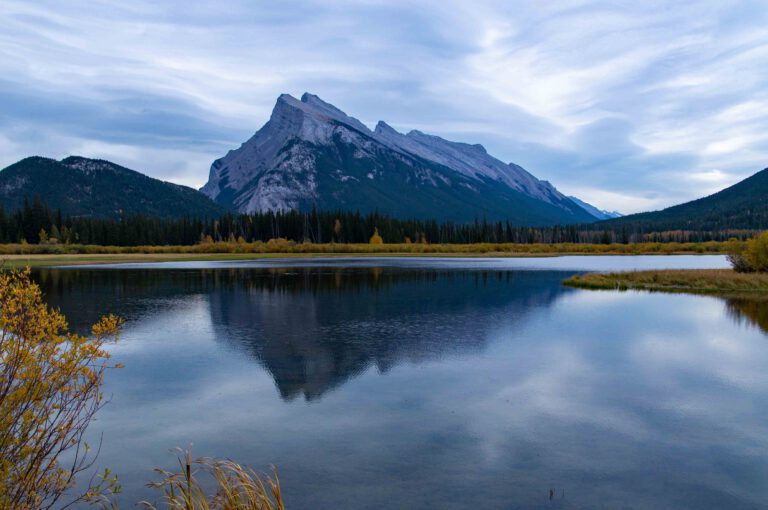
(434, 383)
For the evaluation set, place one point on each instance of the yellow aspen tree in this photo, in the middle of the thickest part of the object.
(376, 238)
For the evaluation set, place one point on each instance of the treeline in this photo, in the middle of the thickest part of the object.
(37, 223)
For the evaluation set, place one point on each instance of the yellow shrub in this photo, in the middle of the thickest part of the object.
(376, 238)
(50, 381)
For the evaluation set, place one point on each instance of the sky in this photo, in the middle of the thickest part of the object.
(628, 105)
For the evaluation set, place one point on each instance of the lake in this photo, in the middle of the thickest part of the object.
(433, 383)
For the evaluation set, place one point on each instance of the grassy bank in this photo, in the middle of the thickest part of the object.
(702, 281)
(288, 247)
(53, 254)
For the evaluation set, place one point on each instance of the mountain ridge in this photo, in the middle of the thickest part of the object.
(740, 206)
(80, 186)
(311, 154)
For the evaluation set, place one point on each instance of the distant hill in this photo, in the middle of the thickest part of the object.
(311, 155)
(741, 206)
(96, 188)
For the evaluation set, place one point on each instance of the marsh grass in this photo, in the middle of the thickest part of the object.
(283, 246)
(745, 294)
(704, 281)
(234, 487)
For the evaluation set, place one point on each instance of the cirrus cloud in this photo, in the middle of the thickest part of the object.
(629, 106)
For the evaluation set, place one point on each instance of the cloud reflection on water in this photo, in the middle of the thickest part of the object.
(441, 388)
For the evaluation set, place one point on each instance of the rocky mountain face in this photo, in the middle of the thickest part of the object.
(91, 187)
(311, 154)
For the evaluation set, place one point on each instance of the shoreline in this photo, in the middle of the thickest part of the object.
(19, 255)
(74, 259)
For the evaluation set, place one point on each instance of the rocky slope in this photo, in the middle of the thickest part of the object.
(311, 154)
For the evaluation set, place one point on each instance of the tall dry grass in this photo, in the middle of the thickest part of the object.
(285, 246)
(234, 487)
(717, 281)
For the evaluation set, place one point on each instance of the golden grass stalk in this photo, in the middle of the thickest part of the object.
(234, 487)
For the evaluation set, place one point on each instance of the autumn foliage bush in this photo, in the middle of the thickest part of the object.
(749, 257)
(376, 238)
(50, 389)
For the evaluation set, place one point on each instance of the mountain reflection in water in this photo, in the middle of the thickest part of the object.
(312, 328)
(498, 386)
(313, 331)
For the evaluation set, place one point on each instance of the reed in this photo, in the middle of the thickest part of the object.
(234, 487)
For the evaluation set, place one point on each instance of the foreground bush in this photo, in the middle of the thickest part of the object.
(750, 257)
(50, 389)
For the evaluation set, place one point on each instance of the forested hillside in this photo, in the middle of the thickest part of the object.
(741, 206)
(95, 188)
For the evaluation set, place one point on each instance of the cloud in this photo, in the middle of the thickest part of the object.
(631, 105)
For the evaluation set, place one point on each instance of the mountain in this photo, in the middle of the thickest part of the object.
(741, 206)
(311, 154)
(92, 187)
(600, 214)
